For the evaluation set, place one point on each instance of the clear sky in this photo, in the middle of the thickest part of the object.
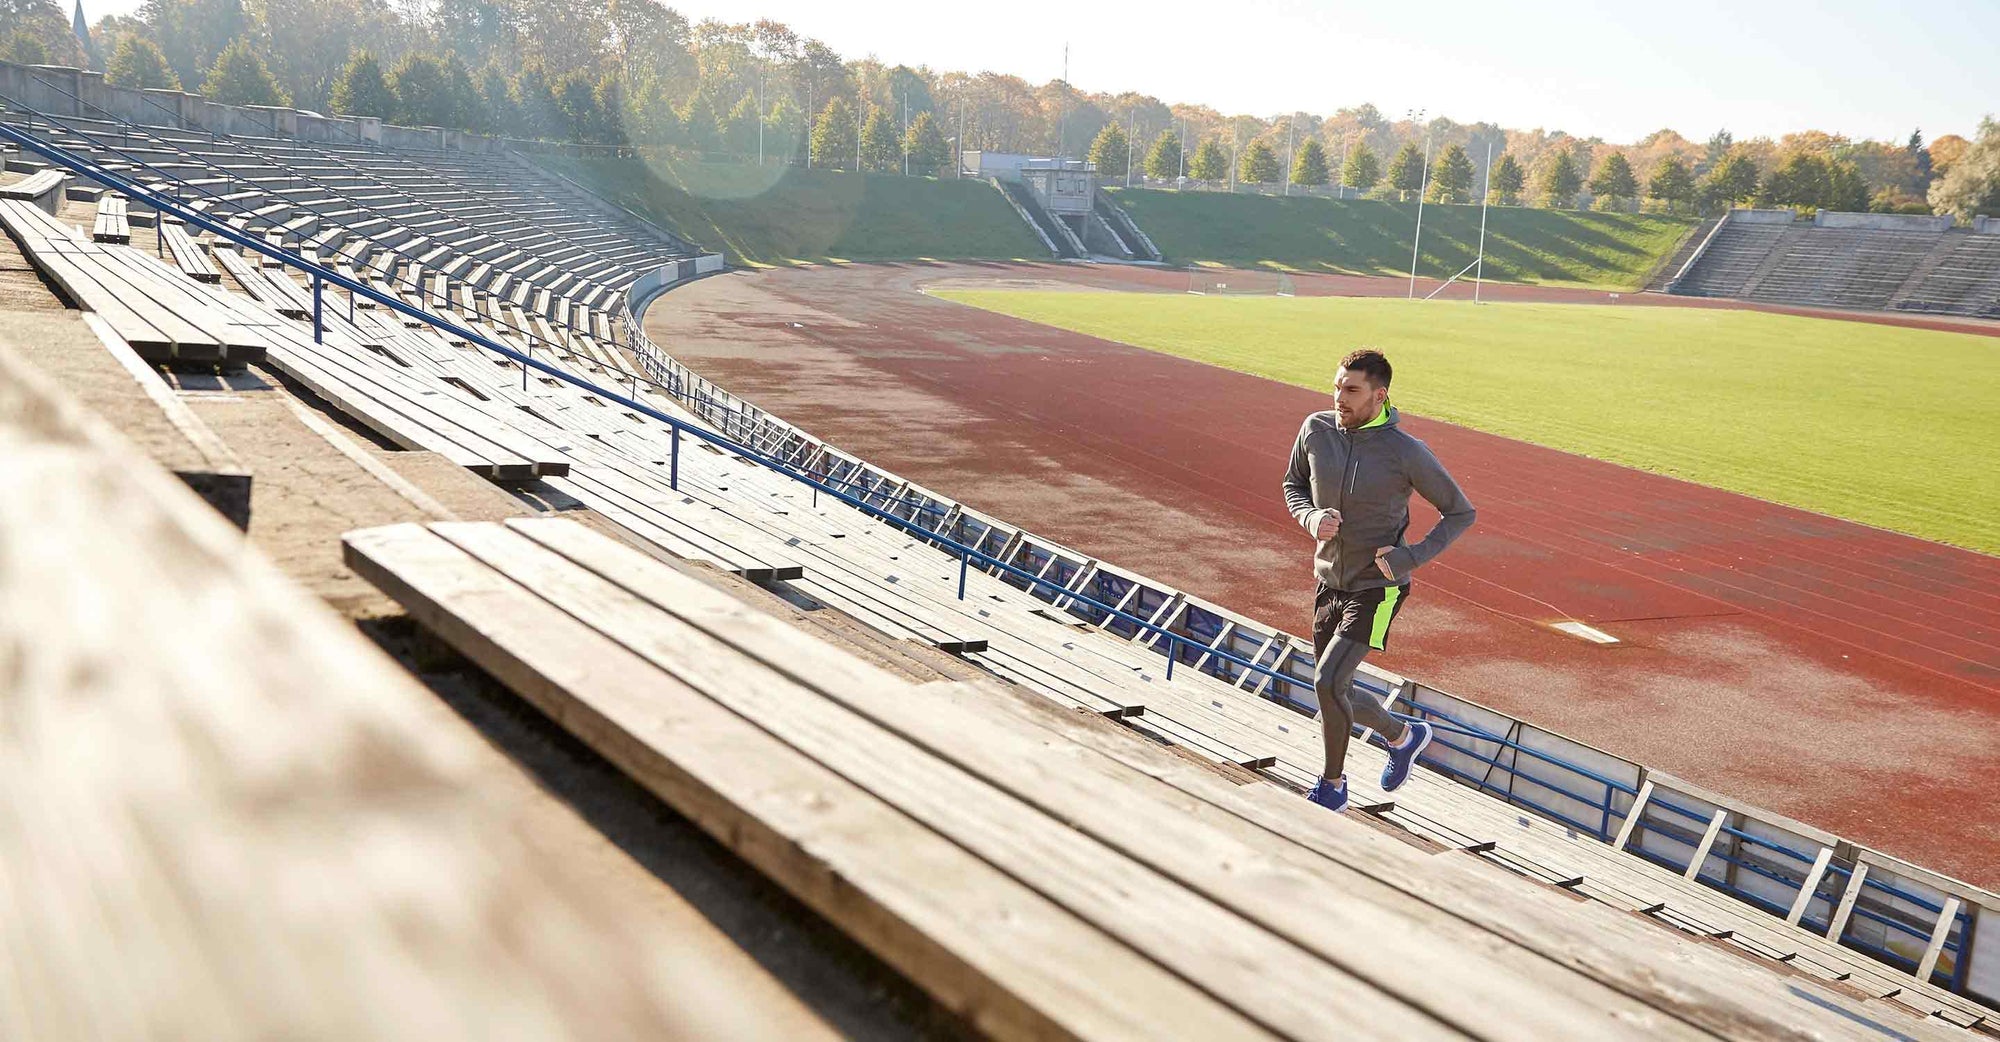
(1865, 68)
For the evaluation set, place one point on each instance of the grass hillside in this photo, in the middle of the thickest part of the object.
(1364, 237)
(1789, 409)
(779, 215)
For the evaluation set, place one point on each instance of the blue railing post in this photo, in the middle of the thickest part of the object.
(319, 328)
(964, 564)
(1173, 653)
(674, 462)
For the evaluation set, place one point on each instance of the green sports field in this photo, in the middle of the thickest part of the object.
(1893, 427)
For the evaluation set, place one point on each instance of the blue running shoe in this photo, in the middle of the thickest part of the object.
(1403, 757)
(1332, 797)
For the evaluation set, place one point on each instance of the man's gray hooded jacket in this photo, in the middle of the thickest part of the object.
(1367, 474)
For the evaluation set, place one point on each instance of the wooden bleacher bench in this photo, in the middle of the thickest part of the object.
(111, 225)
(232, 816)
(44, 189)
(187, 254)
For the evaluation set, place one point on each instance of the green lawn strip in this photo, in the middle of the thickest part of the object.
(781, 215)
(1884, 425)
(1366, 237)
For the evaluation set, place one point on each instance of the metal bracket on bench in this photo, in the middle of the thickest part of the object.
(1122, 712)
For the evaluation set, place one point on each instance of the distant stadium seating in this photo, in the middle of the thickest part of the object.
(1857, 261)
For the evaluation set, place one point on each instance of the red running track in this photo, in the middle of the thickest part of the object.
(1839, 674)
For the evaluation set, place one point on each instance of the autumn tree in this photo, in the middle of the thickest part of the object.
(1971, 185)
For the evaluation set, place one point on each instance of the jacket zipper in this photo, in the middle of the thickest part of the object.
(1340, 498)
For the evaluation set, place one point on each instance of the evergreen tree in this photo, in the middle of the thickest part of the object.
(881, 146)
(699, 123)
(924, 143)
(1210, 162)
(496, 99)
(1733, 180)
(1557, 179)
(139, 63)
(1614, 179)
(784, 140)
(423, 92)
(466, 104)
(1111, 151)
(240, 77)
(833, 136)
(1309, 164)
(362, 90)
(1259, 165)
(576, 101)
(608, 99)
(1451, 181)
(1508, 178)
(1163, 162)
(740, 130)
(1361, 169)
(1406, 170)
(1672, 184)
(535, 103)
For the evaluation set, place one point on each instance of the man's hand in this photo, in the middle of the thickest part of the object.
(1382, 561)
(1328, 525)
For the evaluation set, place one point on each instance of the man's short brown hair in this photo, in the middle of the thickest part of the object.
(1370, 363)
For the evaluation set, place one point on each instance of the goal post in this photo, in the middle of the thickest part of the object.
(1239, 282)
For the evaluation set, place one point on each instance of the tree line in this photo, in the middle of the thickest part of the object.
(637, 73)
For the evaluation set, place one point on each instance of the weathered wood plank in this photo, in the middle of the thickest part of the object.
(985, 945)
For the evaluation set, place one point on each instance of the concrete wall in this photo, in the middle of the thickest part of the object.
(1747, 216)
(1986, 225)
(1884, 222)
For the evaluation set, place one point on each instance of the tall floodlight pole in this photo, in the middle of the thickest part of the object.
(811, 122)
(906, 131)
(1416, 241)
(1062, 114)
(1180, 178)
(958, 161)
(1485, 195)
(857, 133)
(760, 119)
(1131, 125)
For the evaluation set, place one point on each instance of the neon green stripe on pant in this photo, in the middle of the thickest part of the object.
(1384, 612)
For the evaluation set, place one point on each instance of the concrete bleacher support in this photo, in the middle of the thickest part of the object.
(1985, 225)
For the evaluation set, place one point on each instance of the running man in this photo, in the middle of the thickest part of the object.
(1349, 485)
